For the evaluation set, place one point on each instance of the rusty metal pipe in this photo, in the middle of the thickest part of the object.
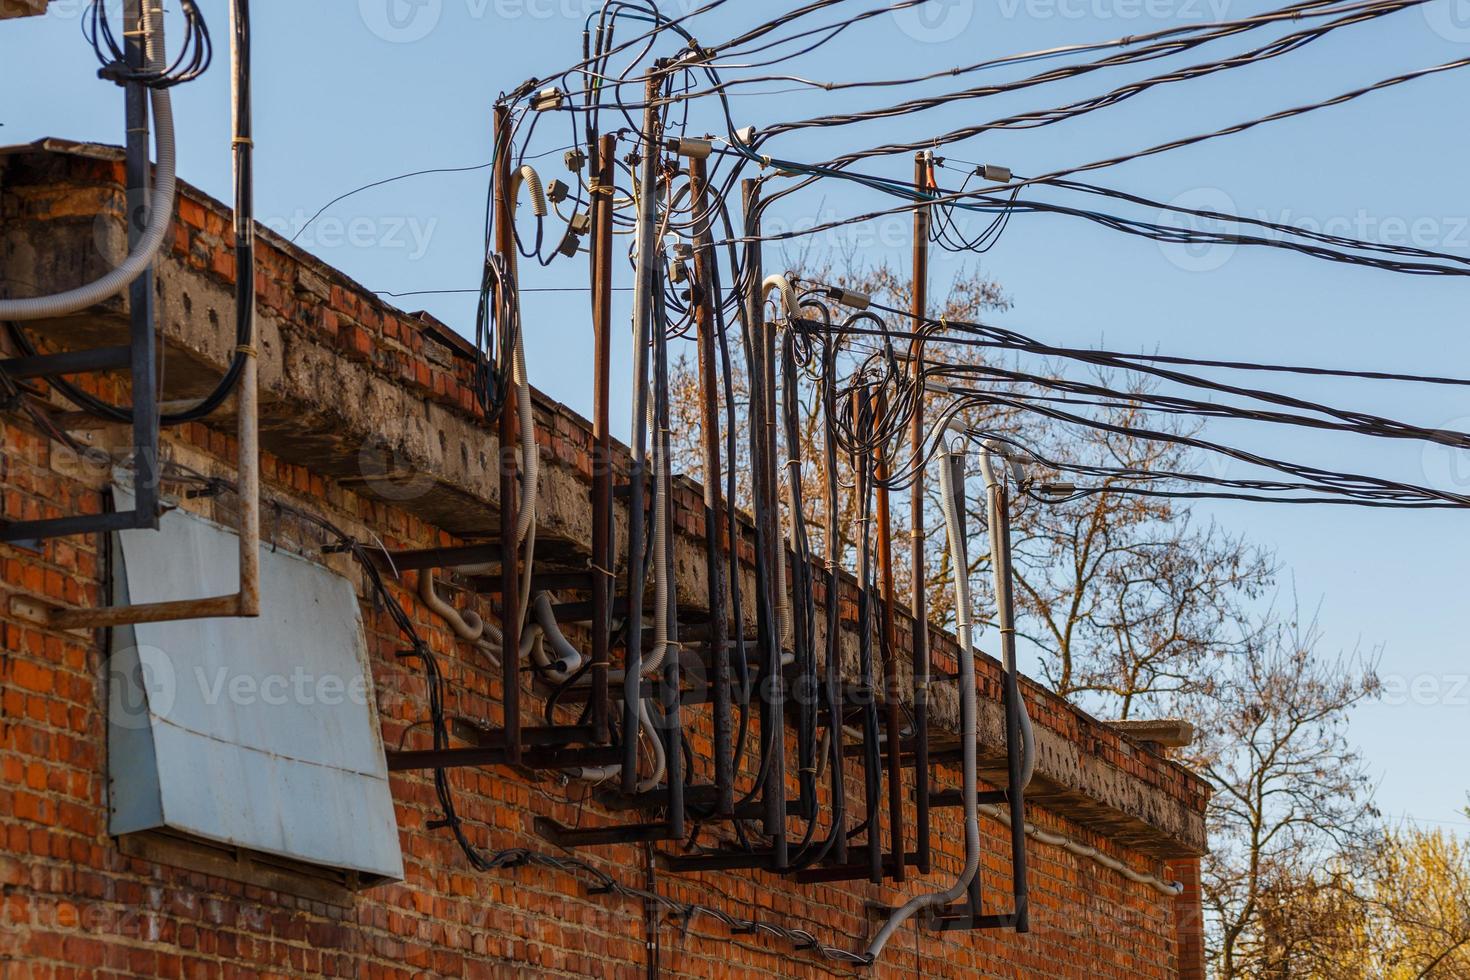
(510, 626)
(602, 552)
(919, 601)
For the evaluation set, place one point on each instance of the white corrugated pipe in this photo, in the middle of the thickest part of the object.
(1170, 888)
(952, 484)
(779, 283)
(160, 213)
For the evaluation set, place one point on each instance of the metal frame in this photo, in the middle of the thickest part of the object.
(142, 362)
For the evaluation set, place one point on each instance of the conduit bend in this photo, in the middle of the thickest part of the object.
(160, 214)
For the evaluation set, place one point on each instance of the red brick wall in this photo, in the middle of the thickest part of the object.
(72, 904)
(1189, 918)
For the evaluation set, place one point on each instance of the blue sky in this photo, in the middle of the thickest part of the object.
(357, 90)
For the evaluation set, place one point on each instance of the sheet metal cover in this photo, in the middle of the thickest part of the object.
(265, 731)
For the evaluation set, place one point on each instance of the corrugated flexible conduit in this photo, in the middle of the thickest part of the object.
(160, 213)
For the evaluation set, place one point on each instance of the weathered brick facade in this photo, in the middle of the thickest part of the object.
(368, 421)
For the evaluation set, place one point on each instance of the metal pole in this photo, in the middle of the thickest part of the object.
(714, 508)
(893, 720)
(509, 571)
(247, 399)
(1005, 608)
(919, 601)
(645, 283)
(141, 24)
(872, 775)
(602, 557)
(769, 556)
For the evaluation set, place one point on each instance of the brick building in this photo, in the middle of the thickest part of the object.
(368, 422)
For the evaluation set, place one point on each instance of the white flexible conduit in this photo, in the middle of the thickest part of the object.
(1170, 888)
(662, 559)
(779, 283)
(952, 483)
(160, 214)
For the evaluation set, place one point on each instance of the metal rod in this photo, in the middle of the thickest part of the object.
(602, 552)
(644, 284)
(770, 557)
(247, 421)
(872, 775)
(894, 721)
(142, 34)
(1005, 607)
(68, 362)
(510, 625)
(919, 601)
(714, 507)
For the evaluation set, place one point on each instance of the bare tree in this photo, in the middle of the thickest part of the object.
(1291, 809)
(1128, 601)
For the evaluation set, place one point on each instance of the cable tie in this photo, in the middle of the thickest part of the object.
(247, 349)
(241, 141)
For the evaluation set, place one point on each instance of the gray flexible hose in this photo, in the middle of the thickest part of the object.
(952, 490)
(569, 658)
(779, 283)
(160, 214)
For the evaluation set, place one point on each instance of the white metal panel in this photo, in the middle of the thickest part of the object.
(262, 733)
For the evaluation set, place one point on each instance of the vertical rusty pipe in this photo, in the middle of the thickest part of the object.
(1000, 547)
(140, 39)
(714, 509)
(247, 406)
(893, 721)
(509, 553)
(919, 602)
(602, 557)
